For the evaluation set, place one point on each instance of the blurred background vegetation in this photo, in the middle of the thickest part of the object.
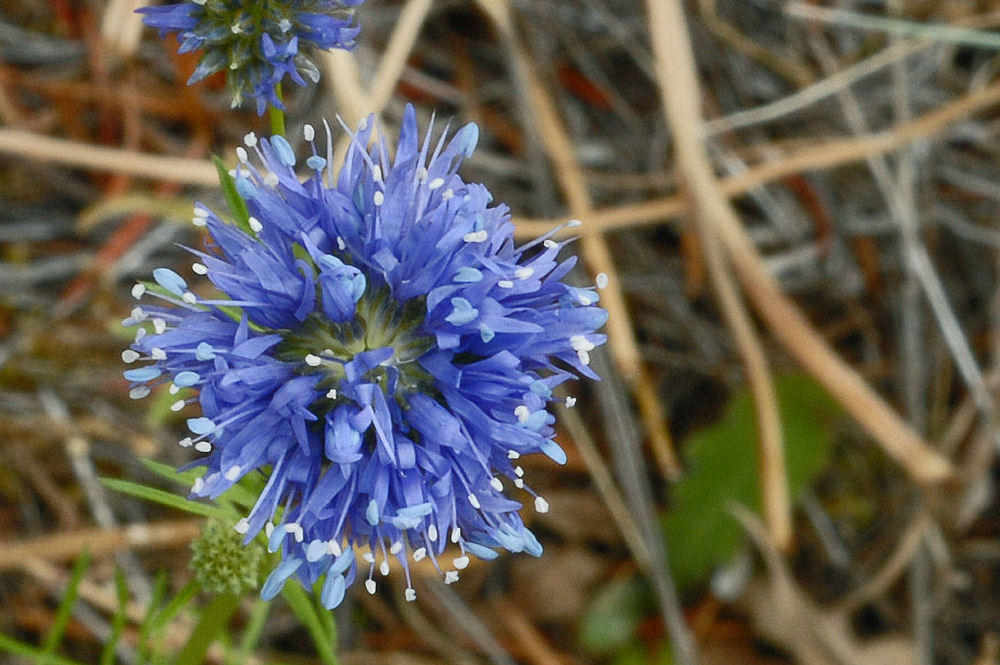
(794, 445)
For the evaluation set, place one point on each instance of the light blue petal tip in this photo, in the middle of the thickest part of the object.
(200, 425)
(170, 280)
(283, 149)
(371, 513)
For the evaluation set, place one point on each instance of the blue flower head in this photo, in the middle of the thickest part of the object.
(384, 354)
(257, 42)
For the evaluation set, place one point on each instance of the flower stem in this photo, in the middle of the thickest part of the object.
(277, 115)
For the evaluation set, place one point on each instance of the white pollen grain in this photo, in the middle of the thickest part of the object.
(313, 360)
(203, 447)
(199, 269)
(541, 505)
(461, 562)
(129, 356)
(138, 290)
(370, 586)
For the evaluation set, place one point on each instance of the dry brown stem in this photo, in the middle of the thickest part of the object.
(681, 98)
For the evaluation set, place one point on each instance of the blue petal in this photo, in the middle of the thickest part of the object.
(170, 280)
(142, 374)
(333, 591)
(276, 580)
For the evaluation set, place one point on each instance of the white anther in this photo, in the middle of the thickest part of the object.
(541, 505)
(513, 454)
(341, 245)
(456, 534)
(268, 529)
(432, 533)
(419, 553)
(129, 356)
(255, 225)
(461, 562)
(368, 557)
(573, 223)
(435, 183)
(203, 447)
(178, 405)
(242, 526)
(200, 212)
(377, 173)
(378, 198)
(200, 2)
(199, 269)
(522, 412)
(185, 442)
(581, 343)
(285, 25)
(250, 140)
(332, 393)
(505, 284)
(474, 500)
(139, 392)
(519, 483)
(602, 280)
(235, 28)
(496, 484)
(199, 221)
(395, 548)
(370, 586)
(271, 179)
(308, 132)
(198, 485)
(584, 357)
(524, 273)
(174, 389)
(570, 401)
(410, 594)
(313, 360)
(519, 471)
(295, 529)
(384, 567)
(447, 194)
(189, 298)
(138, 314)
(422, 174)
(158, 354)
(333, 548)
(138, 290)
(475, 236)
(549, 243)
(451, 577)
(159, 326)
(140, 333)
(241, 154)
(233, 472)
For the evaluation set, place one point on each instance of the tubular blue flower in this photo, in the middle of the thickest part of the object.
(258, 42)
(383, 354)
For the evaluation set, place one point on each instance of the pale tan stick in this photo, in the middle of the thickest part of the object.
(770, 447)
(680, 90)
(397, 51)
(99, 158)
(621, 337)
(818, 156)
(68, 545)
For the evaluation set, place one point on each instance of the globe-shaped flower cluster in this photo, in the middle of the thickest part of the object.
(257, 42)
(383, 354)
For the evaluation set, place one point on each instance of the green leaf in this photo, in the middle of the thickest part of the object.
(238, 494)
(722, 468)
(303, 608)
(118, 622)
(165, 498)
(237, 206)
(61, 619)
(214, 618)
(613, 616)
